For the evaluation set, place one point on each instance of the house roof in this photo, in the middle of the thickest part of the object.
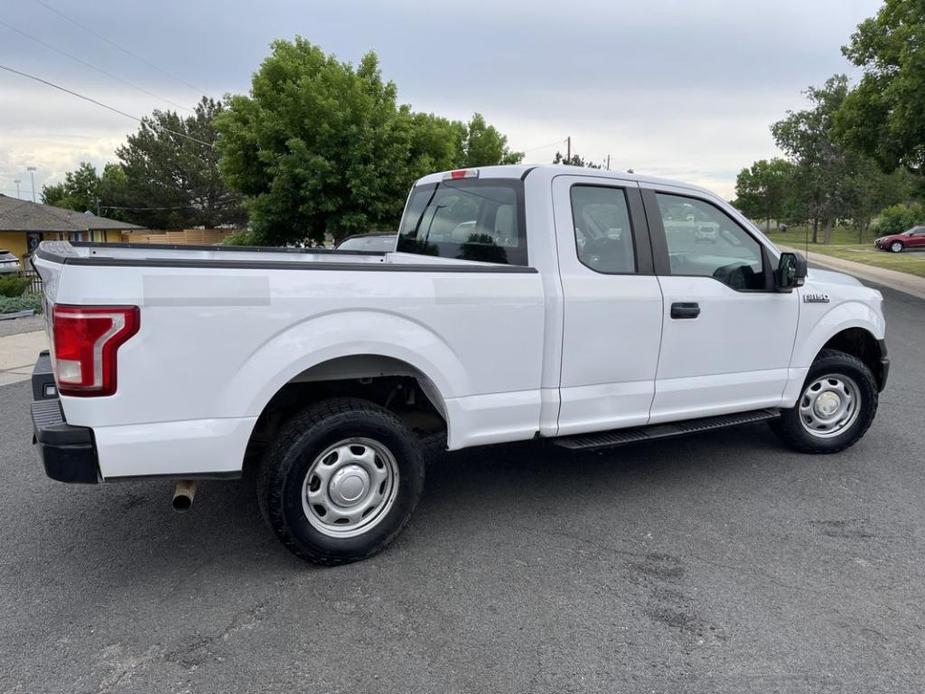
(24, 215)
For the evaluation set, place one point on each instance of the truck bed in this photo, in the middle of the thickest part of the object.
(172, 255)
(224, 329)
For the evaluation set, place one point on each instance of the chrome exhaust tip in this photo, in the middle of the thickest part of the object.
(183, 495)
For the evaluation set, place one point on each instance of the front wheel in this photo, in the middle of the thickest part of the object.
(341, 481)
(896, 247)
(835, 409)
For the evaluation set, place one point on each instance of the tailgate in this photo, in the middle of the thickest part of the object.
(50, 268)
(50, 271)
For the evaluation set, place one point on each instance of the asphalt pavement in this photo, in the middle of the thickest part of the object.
(718, 563)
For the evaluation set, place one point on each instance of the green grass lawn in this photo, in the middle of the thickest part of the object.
(845, 245)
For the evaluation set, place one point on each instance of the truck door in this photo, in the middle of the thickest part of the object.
(727, 335)
(612, 304)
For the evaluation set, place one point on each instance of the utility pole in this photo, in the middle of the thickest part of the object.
(31, 170)
(568, 150)
(608, 162)
(17, 181)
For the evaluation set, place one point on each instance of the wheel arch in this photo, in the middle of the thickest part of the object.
(817, 331)
(342, 347)
(361, 334)
(366, 367)
(860, 342)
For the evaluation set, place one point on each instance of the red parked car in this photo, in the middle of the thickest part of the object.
(914, 238)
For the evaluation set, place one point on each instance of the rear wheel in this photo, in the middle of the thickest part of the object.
(896, 246)
(835, 409)
(341, 481)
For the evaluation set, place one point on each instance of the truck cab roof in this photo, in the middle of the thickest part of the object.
(552, 170)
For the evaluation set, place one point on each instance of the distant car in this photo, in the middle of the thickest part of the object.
(913, 238)
(375, 242)
(9, 263)
(706, 234)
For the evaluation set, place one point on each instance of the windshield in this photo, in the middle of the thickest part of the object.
(466, 220)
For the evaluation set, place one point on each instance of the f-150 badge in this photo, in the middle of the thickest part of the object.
(815, 298)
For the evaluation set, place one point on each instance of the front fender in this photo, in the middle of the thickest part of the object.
(818, 327)
(340, 334)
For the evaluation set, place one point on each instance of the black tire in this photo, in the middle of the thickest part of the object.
(789, 426)
(433, 447)
(298, 444)
(897, 246)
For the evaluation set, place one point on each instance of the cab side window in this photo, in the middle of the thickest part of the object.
(703, 241)
(603, 236)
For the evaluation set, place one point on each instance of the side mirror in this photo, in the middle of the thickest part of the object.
(790, 273)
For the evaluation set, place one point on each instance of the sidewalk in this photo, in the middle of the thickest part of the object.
(900, 281)
(18, 354)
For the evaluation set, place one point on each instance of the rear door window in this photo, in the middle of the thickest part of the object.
(603, 236)
(466, 220)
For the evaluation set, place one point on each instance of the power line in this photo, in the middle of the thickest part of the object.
(83, 62)
(121, 48)
(153, 126)
(533, 149)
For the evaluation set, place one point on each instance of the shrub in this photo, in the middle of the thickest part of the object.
(899, 218)
(13, 286)
(12, 304)
(239, 238)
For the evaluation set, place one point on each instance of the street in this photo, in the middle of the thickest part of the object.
(721, 563)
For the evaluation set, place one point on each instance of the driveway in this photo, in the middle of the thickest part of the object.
(719, 563)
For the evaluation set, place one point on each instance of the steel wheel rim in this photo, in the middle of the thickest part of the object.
(350, 487)
(830, 405)
(896, 247)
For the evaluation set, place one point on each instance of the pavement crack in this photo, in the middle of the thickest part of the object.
(199, 649)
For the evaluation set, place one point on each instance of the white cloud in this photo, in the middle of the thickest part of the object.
(672, 87)
(55, 132)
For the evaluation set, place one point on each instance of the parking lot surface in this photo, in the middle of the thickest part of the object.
(722, 563)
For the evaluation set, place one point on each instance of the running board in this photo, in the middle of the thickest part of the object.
(620, 437)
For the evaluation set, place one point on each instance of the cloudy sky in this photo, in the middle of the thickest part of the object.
(678, 88)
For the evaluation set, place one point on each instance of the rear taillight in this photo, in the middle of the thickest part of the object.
(85, 342)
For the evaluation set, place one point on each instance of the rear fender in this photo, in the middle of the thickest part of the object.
(342, 334)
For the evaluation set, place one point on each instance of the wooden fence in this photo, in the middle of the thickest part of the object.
(182, 237)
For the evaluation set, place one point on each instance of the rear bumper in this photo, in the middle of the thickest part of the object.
(185, 449)
(68, 453)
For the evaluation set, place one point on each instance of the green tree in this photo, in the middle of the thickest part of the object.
(870, 190)
(321, 147)
(823, 166)
(574, 160)
(167, 176)
(435, 143)
(169, 173)
(832, 182)
(79, 191)
(484, 145)
(765, 189)
(884, 116)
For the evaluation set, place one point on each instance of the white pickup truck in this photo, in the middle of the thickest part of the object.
(585, 308)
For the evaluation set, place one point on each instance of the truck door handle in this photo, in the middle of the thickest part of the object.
(685, 310)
